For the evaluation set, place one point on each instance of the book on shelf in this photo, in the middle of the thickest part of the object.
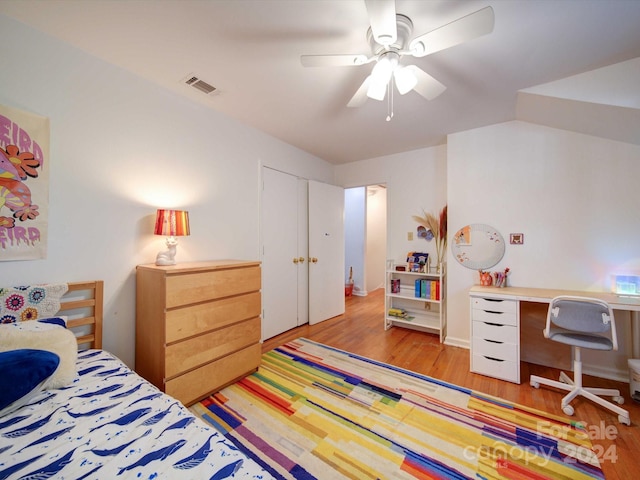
(399, 313)
(428, 289)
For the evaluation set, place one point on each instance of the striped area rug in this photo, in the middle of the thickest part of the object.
(312, 411)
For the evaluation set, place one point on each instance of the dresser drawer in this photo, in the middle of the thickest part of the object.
(490, 316)
(196, 384)
(496, 368)
(203, 317)
(494, 305)
(494, 349)
(499, 333)
(193, 352)
(185, 289)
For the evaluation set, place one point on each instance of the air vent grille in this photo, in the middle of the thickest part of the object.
(200, 84)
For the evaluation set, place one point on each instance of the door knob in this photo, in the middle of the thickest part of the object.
(313, 260)
(301, 259)
(295, 260)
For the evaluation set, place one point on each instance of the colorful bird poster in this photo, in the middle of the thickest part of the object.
(24, 185)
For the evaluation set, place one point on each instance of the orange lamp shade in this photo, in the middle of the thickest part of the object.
(172, 223)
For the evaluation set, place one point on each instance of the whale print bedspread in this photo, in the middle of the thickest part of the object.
(111, 423)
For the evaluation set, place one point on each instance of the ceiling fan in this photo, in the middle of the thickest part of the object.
(390, 40)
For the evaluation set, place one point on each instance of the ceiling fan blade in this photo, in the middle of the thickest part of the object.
(382, 17)
(361, 95)
(459, 31)
(427, 86)
(333, 60)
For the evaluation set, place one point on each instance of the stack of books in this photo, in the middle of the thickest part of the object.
(399, 313)
(429, 289)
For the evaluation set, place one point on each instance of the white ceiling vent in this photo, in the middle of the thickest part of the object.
(199, 84)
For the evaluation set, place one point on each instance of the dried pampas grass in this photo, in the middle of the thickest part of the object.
(438, 227)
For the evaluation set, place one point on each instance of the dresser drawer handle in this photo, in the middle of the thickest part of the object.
(494, 359)
(492, 341)
(494, 324)
(494, 313)
(492, 300)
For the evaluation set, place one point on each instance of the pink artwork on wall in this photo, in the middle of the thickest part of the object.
(24, 185)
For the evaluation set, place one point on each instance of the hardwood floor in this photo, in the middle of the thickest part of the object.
(361, 330)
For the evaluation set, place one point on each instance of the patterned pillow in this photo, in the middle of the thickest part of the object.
(18, 304)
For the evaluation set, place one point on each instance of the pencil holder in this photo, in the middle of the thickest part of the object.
(485, 279)
(500, 278)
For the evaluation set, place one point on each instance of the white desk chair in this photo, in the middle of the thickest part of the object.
(582, 323)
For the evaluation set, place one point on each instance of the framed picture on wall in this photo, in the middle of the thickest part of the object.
(516, 238)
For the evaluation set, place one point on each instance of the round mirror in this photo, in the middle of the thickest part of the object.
(477, 246)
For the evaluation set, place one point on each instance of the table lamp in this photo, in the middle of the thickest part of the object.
(172, 224)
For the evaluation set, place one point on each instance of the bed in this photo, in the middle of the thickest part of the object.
(90, 416)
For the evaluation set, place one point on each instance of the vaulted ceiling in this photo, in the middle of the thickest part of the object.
(250, 51)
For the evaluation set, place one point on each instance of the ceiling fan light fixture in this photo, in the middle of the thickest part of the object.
(385, 66)
(405, 79)
(381, 75)
(377, 90)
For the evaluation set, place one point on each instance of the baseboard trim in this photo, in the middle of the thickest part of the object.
(606, 372)
(457, 342)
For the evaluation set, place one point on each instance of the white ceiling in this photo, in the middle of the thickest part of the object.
(250, 51)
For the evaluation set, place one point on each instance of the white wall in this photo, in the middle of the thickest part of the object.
(120, 148)
(415, 181)
(575, 199)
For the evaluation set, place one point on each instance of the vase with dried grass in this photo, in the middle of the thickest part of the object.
(438, 227)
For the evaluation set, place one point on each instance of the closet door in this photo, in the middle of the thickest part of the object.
(280, 258)
(326, 251)
(298, 216)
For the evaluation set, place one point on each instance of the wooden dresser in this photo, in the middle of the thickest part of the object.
(197, 325)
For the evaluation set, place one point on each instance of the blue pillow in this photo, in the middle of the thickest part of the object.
(23, 374)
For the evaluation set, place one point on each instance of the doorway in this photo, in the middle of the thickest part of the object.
(366, 237)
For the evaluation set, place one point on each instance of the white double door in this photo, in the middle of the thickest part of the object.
(302, 228)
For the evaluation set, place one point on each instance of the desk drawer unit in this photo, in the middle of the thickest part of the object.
(495, 338)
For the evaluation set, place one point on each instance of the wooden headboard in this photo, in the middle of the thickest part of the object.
(82, 305)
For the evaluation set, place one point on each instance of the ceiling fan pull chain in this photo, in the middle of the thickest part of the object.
(390, 100)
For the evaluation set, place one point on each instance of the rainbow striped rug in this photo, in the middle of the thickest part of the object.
(312, 411)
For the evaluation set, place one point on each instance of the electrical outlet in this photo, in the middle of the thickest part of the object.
(409, 235)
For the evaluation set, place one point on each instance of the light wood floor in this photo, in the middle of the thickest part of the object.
(361, 330)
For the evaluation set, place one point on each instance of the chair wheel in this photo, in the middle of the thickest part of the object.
(568, 410)
(619, 400)
(624, 420)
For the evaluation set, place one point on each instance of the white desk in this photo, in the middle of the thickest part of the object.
(497, 324)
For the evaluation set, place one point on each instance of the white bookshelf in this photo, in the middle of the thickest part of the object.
(422, 313)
